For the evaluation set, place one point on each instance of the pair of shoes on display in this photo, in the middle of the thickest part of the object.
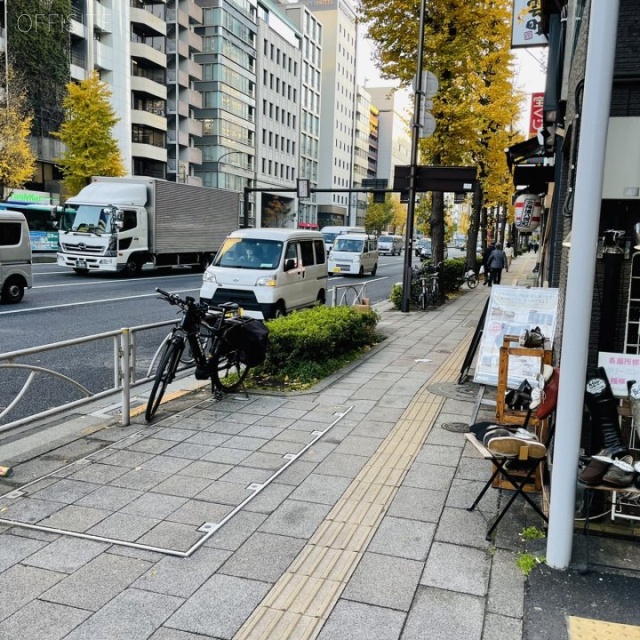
(615, 472)
(509, 444)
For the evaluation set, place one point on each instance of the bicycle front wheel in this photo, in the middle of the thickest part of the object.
(472, 281)
(228, 372)
(165, 373)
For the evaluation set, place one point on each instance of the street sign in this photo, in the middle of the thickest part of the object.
(303, 188)
(435, 178)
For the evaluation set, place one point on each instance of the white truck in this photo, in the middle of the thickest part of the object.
(120, 224)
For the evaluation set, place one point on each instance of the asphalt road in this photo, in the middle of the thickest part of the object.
(64, 306)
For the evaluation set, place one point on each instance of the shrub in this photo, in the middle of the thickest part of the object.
(308, 345)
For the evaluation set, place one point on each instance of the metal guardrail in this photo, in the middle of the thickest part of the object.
(348, 294)
(125, 366)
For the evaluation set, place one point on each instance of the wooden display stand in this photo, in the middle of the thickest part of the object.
(507, 416)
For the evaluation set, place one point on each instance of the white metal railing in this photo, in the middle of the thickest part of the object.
(348, 294)
(125, 355)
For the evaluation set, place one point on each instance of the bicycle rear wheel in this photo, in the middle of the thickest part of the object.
(472, 281)
(165, 373)
(228, 372)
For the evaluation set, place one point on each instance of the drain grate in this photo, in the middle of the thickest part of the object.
(456, 427)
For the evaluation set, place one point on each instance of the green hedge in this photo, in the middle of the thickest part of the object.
(308, 345)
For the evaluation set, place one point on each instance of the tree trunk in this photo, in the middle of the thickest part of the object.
(474, 227)
(437, 226)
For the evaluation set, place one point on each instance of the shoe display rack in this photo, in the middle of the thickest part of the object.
(505, 415)
(625, 504)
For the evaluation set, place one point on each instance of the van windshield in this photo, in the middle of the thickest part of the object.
(330, 237)
(348, 244)
(249, 253)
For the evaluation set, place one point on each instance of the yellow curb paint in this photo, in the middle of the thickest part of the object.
(587, 629)
(316, 578)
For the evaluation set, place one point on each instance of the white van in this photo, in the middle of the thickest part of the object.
(354, 254)
(15, 257)
(390, 244)
(331, 233)
(268, 272)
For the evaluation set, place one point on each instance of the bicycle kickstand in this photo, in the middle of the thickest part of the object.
(215, 392)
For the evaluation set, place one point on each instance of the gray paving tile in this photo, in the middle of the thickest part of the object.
(357, 621)
(274, 421)
(154, 505)
(320, 450)
(182, 576)
(42, 620)
(417, 504)
(320, 488)
(98, 582)
(245, 418)
(197, 512)
(21, 584)
(262, 431)
(473, 469)
(163, 633)
(66, 554)
(281, 447)
(151, 445)
(140, 479)
(457, 568)
(342, 464)
(359, 445)
(270, 498)
(506, 585)
(234, 532)
(166, 464)
(403, 538)
(226, 455)
(121, 526)
(385, 581)
(132, 615)
(174, 434)
(31, 510)
(263, 557)
(247, 475)
(446, 614)
(296, 473)
(188, 450)
(204, 469)
(75, 518)
(296, 518)
(67, 491)
(439, 455)
(246, 443)
(208, 438)
(459, 526)
(14, 549)
(219, 607)
(429, 476)
(463, 493)
(374, 429)
(98, 473)
(295, 435)
(226, 427)
(261, 460)
(109, 498)
(129, 459)
(224, 493)
(176, 486)
(498, 627)
(171, 535)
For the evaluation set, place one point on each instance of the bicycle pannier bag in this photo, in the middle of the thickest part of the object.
(251, 338)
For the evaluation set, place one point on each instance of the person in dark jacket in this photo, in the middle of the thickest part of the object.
(485, 261)
(497, 262)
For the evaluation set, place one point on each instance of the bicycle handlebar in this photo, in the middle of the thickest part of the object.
(190, 303)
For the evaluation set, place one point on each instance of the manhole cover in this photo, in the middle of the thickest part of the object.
(467, 392)
(456, 427)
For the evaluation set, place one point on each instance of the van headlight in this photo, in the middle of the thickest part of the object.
(209, 276)
(266, 281)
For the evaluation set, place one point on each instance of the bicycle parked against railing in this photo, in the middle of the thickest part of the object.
(209, 336)
(429, 290)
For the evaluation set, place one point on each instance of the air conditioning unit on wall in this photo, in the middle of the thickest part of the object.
(622, 160)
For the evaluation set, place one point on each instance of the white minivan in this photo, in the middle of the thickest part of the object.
(354, 254)
(15, 257)
(268, 272)
(331, 233)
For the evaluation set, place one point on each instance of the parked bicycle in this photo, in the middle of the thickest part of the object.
(212, 338)
(428, 291)
(470, 278)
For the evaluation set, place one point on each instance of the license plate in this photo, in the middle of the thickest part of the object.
(81, 264)
(336, 269)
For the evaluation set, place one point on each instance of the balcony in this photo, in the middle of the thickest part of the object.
(192, 98)
(102, 17)
(192, 126)
(144, 51)
(177, 108)
(196, 181)
(194, 11)
(176, 16)
(144, 85)
(194, 41)
(179, 47)
(103, 56)
(192, 155)
(140, 16)
(177, 77)
(192, 69)
(178, 137)
(148, 119)
(148, 151)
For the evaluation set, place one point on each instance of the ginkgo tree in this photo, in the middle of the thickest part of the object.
(90, 148)
(467, 48)
(17, 160)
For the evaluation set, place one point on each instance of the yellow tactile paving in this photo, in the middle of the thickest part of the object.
(300, 602)
(587, 629)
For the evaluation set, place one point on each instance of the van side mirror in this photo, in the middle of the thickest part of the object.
(289, 264)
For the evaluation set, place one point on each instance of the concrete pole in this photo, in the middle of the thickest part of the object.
(582, 260)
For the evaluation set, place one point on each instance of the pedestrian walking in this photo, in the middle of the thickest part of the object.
(485, 261)
(508, 251)
(497, 262)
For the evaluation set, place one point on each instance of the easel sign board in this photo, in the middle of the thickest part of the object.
(511, 311)
(620, 367)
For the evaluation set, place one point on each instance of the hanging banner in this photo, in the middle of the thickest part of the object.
(536, 121)
(620, 368)
(511, 311)
(528, 209)
(526, 29)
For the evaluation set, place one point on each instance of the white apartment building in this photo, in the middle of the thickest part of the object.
(394, 142)
(361, 154)
(337, 108)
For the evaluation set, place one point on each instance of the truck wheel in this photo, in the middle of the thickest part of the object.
(12, 292)
(279, 311)
(133, 267)
(205, 261)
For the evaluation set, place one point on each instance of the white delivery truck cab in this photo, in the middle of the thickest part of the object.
(268, 272)
(331, 233)
(15, 257)
(354, 254)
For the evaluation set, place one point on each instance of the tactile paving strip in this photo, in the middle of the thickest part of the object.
(300, 602)
(587, 629)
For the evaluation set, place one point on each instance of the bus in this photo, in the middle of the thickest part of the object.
(43, 220)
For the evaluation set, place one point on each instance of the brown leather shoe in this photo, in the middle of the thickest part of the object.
(509, 447)
(593, 473)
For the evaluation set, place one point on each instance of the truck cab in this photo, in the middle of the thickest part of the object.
(15, 257)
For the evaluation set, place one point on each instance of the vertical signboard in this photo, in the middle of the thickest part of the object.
(526, 30)
(536, 121)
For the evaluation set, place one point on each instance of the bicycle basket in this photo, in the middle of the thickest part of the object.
(250, 338)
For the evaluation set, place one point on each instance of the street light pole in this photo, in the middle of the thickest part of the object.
(415, 139)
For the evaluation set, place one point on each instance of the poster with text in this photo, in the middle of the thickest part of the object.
(512, 311)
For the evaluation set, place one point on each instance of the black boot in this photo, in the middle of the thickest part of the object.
(604, 414)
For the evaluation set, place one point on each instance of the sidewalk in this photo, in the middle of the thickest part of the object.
(337, 513)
